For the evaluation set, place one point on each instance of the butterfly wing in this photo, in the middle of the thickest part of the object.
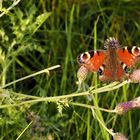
(129, 56)
(92, 60)
(112, 64)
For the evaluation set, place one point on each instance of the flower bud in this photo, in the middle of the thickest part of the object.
(122, 108)
(135, 76)
(82, 74)
(119, 136)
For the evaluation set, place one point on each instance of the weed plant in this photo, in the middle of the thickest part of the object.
(39, 44)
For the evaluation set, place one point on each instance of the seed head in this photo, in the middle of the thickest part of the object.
(82, 74)
(123, 107)
(119, 136)
(135, 76)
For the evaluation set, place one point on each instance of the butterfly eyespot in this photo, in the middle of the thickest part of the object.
(126, 69)
(111, 42)
(135, 50)
(100, 72)
(85, 56)
(79, 59)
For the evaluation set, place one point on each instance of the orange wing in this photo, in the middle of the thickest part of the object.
(92, 60)
(129, 56)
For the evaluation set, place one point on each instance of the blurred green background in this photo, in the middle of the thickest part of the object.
(35, 35)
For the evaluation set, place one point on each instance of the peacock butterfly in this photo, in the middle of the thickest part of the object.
(112, 63)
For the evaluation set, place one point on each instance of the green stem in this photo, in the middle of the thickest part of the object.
(93, 107)
(56, 98)
(24, 131)
(9, 8)
(32, 75)
(108, 130)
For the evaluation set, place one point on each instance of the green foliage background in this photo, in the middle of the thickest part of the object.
(38, 34)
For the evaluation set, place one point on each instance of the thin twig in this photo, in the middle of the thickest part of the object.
(9, 8)
(32, 75)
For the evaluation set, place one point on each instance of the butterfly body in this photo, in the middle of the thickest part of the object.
(112, 64)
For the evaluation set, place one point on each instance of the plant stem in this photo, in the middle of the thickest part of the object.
(32, 75)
